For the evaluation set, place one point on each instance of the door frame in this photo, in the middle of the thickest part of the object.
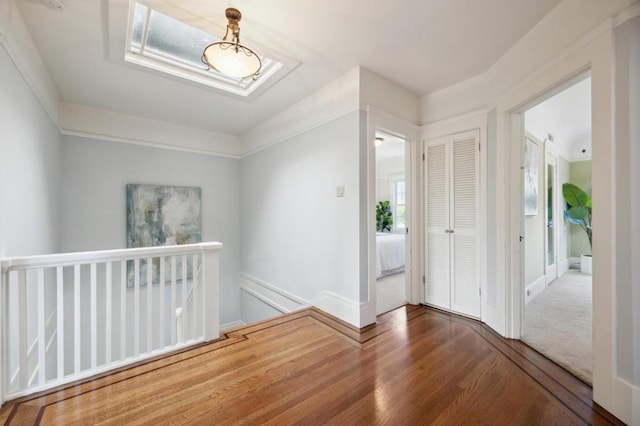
(379, 120)
(515, 139)
(551, 272)
(594, 57)
(408, 205)
(473, 120)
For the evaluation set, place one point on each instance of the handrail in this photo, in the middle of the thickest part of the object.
(68, 259)
(70, 291)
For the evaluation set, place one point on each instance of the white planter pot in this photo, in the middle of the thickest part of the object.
(586, 261)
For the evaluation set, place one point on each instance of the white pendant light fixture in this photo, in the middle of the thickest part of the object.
(228, 56)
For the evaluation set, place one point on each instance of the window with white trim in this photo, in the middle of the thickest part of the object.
(399, 199)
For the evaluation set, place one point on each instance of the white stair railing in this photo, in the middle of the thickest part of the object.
(70, 316)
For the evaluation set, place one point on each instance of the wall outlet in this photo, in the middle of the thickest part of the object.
(340, 191)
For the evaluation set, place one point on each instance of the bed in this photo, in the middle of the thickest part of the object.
(390, 250)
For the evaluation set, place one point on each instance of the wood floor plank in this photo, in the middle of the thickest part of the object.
(416, 365)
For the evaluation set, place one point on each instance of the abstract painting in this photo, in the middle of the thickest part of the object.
(530, 178)
(160, 216)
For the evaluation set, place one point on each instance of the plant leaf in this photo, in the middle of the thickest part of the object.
(575, 196)
(578, 212)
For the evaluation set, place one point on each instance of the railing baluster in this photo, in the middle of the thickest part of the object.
(123, 309)
(42, 340)
(76, 319)
(200, 285)
(26, 280)
(108, 319)
(162, 311)
(136, 307)
(94, 316)
(210, 284)
(172, 314)
(60, 321)
(149, 304)
(194, 288)
(201, 294)
(22, 315)
(184, 298)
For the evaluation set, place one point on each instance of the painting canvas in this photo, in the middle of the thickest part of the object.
(159, 216)
(530, 178)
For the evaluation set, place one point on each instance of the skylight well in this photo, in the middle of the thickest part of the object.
(166, 44)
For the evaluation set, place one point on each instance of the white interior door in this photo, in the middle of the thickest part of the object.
(437, 253)
(451, 218)
(465, 296)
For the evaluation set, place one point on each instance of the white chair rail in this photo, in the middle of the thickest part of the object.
(70, 316)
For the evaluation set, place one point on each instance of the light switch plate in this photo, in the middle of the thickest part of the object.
(340, 191)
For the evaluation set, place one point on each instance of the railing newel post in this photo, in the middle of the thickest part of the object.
(210, 284)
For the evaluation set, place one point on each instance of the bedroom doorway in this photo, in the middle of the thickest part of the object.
(391, 221)
(557, 302)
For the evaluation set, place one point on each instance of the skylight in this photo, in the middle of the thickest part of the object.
(163, 43)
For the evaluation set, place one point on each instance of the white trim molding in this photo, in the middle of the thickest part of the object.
(336, 99)
(272, 295)
(534, 289)
(231, 325)
(17, 42)
(94, 123)
(626, 401)
(341, 307)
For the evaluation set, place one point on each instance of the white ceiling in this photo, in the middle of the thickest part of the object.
(422, 45)
(390, 148)
(567, 117)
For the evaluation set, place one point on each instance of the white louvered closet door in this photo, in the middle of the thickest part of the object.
(451, 214)
(438, 288)
(465, 285)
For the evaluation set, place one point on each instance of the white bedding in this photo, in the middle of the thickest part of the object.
(390, 253)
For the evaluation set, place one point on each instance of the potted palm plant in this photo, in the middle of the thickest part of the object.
(579, 213)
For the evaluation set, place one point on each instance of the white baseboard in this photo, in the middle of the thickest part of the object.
(563, 267)
(534, 289)
(574, 262)
(275, 297)
(341, 307)
(232, 324)
(626, 401)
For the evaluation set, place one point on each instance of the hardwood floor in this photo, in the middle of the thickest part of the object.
(416, 366)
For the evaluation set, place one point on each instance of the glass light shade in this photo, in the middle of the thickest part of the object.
(223, 57)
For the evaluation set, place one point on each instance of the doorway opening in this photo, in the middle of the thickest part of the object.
(391, 222)
(557, 302)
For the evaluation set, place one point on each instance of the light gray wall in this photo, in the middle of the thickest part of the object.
(534, 228)
(296, 234)
(29, 186)
(29, 169)
(627, 181)
(94, 175)
(492, 203)
(254, 309)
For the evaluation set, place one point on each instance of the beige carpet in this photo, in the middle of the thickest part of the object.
(557, 323)
(390, 293)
